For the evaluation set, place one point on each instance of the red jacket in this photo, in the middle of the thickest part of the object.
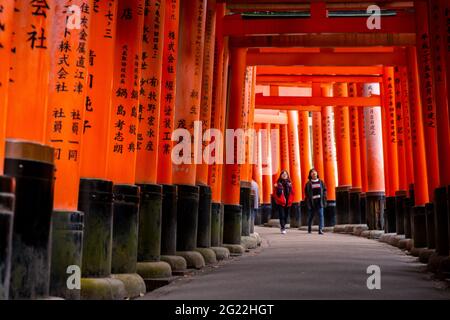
(281, 199)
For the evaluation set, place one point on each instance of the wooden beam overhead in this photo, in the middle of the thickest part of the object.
(319, 71)
(294, 79)
(292, 103)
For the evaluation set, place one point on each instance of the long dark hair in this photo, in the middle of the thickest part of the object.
(281, 173)
(310, 171)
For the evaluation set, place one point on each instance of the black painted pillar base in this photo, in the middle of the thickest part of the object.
(125, 239)
(32, 167)
(187, 217)
(294, 219)
(252, 213)
(342, 204)
(448, 213)
(330, 214)
(245, 203)
(274, 210)
(303, 214)
(362, 207)
(441, 221)
(409, 205)
(400, 211)
(431, 227)
(266, 213)
(419, 227)
(355, 206)
(95, 200)
(375, 210)
(204, 217)
(216, 217)
(232, 225)
(150, 212)
(258, 216)
(6, 230)
(125, 228)
(390, 215)
(67, 247)
(169, 220)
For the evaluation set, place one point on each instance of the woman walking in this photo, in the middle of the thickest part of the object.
(283, 195)
(316, 198)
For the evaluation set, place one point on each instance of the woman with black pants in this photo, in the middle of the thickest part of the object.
(283, 195)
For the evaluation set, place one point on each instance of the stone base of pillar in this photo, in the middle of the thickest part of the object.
(425, 254)
(6, 230)
(372, 234)
(294, 215)
(134, 284)
(232, 226)
(405, 244)
(169, 220)
(375, 210)
(177, 264)
(359, 229)
(235, 249)
(67, 247)
(441, 221)
(329, 214)
(440, 265)
(342, 204)
(222, 253)
(249, 242)
(208, 255)
(386, 237)
(193, 259)
(390, 216)
(102, 289)
(419, 227)
(187, 217)
(400, 211)
(155, 274)
(431, 227)
(355, 206)
(257, 237)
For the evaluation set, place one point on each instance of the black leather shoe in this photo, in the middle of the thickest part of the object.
(320, 232)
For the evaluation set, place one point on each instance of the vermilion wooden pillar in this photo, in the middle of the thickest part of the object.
(362, 155)
(295, 167)
(150, 207)
(402, 192)
(375, 162)
(391, 141)
(98, 215)
(276, 161)
(205, 200)
(122, 143)
(421, 195)
(355, 191)
(218, 115)
(7, 186)
(27, 158)
(266, 158)
(329, 157)
(439, 33)
(65, 119)
(342, 120)
(6, 20)
(284, 148)
(317, 134)
(305, 145)
(232, 174)
(187, 112)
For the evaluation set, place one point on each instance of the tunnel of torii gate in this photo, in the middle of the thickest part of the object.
(98, 98)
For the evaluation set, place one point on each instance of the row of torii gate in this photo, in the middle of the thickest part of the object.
(95, 88)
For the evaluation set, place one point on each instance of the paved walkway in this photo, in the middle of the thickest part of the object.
(309, 266)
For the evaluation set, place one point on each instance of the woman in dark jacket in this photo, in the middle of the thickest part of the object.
(316, 198)
(284, 195)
